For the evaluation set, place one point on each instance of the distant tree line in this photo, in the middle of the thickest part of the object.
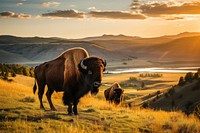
(10, 70)
(153, 75)
(189, 77)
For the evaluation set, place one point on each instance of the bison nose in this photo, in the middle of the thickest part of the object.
(97, 84)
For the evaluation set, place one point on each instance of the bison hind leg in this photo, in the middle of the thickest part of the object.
(48, 94)
(40, 95)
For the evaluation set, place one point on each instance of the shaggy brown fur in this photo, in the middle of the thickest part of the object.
(114, 94)
(73, 72)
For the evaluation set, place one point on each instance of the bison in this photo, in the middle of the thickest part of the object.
(114, 94)
(73, 72)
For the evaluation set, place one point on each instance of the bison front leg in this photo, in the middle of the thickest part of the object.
(75, 110)
(70, 109)
(68, 100)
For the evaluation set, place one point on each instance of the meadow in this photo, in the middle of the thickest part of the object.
(19, 110)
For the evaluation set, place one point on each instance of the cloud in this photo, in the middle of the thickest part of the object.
(64, 14)
(9, 14)
(166, 8)
(92, 8)
(51, 3)
(19, 4)
(173, 18)
(116, 15)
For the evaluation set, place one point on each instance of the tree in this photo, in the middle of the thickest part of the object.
(181, 81)
(198, 71)
(31, 72)
(196, 75)
(25, 71)
(171, 91)
(188, 77)
(13, 74)
(157, 94)
(142, 84)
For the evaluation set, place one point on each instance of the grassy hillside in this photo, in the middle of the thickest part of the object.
(19, 112)
(182, 98)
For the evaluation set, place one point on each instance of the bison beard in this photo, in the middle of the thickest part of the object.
(73, 72)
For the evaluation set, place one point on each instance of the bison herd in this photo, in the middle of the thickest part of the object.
(75, 73)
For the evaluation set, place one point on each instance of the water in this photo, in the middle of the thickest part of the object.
(157, 70)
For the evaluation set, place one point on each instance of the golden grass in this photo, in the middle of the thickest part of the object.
(96, 115)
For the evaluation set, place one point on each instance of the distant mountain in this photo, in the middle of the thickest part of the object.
(7, 39)
(184, 34)
(110, 37)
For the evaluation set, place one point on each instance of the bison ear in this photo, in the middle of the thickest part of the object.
(82, 67)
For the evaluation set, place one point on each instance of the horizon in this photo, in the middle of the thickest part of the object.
(80, 19)
(100, 36)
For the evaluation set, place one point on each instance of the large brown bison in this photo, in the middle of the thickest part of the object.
(73, 72)
(114, 94)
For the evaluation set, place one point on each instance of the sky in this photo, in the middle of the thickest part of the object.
(84, 18)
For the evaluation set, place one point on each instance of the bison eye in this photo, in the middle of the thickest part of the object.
(89, 72)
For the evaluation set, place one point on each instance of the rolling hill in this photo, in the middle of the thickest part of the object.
(125, 51)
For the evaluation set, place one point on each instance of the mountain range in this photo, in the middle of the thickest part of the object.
(119, 50)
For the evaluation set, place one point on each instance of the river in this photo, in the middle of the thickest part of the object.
(155, 69)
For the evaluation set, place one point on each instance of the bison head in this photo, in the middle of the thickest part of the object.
(92, 68)
(118, 94)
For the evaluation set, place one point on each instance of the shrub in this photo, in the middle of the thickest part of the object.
(133, 79)
(197, 110)
(145, 105)
(180, 96)
(28, 99)
(173, 103)
(188, 104)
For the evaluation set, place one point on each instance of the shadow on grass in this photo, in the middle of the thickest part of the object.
(13, 114)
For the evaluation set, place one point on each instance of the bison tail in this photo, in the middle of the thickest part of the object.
(34, 88)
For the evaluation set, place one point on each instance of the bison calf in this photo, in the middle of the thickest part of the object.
(114, 94)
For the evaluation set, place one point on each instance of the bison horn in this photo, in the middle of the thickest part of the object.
(104, 63)
(82, 65)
